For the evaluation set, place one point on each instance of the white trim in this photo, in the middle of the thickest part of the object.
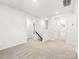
(12, 45)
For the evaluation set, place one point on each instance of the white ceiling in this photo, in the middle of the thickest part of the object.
(39, 8)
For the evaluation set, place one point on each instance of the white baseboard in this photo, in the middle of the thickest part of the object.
(11, 45)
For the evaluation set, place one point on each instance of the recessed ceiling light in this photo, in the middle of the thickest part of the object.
(34, 1)
(57, 12)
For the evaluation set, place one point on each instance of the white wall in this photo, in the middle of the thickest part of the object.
(29, 26)
(12, 27)
(72, 28)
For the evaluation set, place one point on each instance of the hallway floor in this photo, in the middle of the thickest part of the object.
(37, 50)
